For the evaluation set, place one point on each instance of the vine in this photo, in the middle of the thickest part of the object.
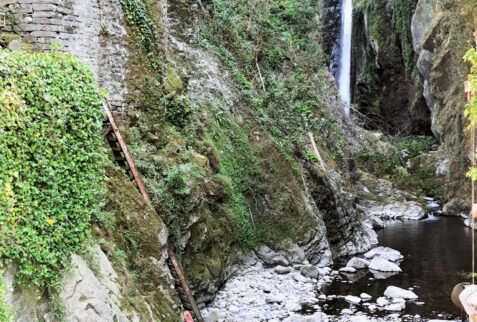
(404, 12)
(51, 162)
(470, 111)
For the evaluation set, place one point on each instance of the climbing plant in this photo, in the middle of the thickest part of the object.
(51, 162)
(404, 12)
(471, 108)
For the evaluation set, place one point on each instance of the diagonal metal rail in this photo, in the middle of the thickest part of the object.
(125, 161)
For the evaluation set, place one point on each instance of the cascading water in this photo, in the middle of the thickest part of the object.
(344, 76)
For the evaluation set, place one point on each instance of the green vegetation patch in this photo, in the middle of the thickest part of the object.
(51, 161)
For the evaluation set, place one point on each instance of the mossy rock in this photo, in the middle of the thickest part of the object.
(139, 232)
(173, 83)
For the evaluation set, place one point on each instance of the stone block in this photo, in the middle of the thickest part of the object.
(27, 27)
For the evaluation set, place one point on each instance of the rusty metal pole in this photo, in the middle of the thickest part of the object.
(125, 150)
(183, 282)
(145, 195)
(467, 88)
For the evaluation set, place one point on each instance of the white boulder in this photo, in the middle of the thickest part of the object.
(365, 296)
(397, 292)
(357, 263)
(395, 307)
(384, 252)
(352, 299)
(348, 270)
(383, 265)
(382, 301)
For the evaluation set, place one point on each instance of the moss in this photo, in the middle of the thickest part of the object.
(7, 37)
(173, 83)
(134, 247)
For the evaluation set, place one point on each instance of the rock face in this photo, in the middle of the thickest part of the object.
(86, 296)
(89, 298)
(441, 34)
(382, 63)
(380, 199)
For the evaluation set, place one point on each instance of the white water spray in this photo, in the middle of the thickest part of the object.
(344, 77)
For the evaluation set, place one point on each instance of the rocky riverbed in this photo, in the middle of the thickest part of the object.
(382, 284)
(282, 291)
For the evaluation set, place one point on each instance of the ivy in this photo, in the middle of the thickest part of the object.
(138, 17)
(404, 12)
(471, 108)
(51, 162)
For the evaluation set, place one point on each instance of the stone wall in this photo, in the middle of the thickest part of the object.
(93, 30)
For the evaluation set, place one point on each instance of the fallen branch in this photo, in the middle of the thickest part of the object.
(315, 150)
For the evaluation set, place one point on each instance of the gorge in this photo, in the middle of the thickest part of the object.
(305, 159)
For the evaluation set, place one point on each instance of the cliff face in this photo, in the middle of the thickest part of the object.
(386, 86)
(442, 32)
(226, 171)
(221, 105)
(408, 75)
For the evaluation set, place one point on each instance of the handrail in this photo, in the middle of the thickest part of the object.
(145, 195)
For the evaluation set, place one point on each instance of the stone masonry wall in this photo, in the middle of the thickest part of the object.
(93, 30)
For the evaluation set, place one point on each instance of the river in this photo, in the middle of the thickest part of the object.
(436, 253)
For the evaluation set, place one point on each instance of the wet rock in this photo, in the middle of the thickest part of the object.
(309, 271)
(346, 312)
(395, 307)
(353, 299)
(357, 263)
(381, 275)
(384, 252)
(456, 207)
(380, 264)
(382, 301)
(396, 292)
(348, 270)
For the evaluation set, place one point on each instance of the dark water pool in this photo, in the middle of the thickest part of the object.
(436, 253)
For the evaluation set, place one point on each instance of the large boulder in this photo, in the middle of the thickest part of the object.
(295, 255)
(357, 263)
(397, 292)
(383, 265)
(378, 198)
(456, 207)
(270, 257)
(309, 271)
(384, 252)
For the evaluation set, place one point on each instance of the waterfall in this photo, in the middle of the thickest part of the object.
(344, 76)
